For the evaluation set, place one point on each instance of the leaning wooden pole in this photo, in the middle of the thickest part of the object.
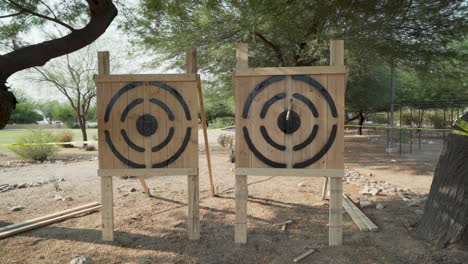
(191, 67)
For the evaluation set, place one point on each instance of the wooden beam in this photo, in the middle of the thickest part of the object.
(359, 217)
(47, 222)
(148, 172)
(242, 194)
(324, 188)
(191, 67)
(46, 217)
(107, 213)
(290, 172)
(175, 77)
(335, 229)
(336, 53)
(242, 56)
(193, 208)
(307, 70)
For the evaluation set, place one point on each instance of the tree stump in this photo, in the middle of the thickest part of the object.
(445, 218)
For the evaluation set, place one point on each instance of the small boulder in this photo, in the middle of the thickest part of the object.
(379, 206)
(375, 191)
(301, 184)
(366, 203)
(132, 189)
(82, 260)
(67, 199)
(58, 197)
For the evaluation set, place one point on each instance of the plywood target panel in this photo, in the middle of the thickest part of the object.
(289, 121)
(147, 121)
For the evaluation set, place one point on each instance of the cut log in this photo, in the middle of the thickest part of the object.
(445, 218)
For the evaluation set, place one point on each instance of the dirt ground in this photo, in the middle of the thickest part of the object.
(152, 229)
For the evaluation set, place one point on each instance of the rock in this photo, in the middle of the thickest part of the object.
(21, 186)
(67, 199)
(375, 191)
(17, 208)
(58, 197)
(132, 189)
(387, 219)
(61, 179)
(320, 204)
(365, 203)
(371, 174)
(414, 203)
(82, 260)
(301, 184)
(379, 206)
(419, 211)
(365, 190)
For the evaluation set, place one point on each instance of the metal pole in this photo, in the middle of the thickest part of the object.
(400, 129)
(445, 121)
(411, 130)
(392, 104)
(420, 131)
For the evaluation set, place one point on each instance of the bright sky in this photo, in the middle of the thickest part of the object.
(112, 40)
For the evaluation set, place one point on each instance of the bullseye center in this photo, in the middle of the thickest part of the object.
(290, 125)
(146, 125)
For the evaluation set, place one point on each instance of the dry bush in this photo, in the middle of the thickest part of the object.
(90, 148)
(226, 141)
(35, 152)
(66, 136)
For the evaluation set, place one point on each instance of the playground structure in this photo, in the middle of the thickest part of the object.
(148, 126)
(289, 122)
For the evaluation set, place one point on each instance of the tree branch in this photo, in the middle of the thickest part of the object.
(102, 14)
(279, 54)
(29, 11)
(12, 15)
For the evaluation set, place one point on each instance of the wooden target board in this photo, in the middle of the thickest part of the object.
(147, 126)
(147, 121)
(289, 122)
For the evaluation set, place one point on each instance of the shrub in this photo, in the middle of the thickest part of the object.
(66, 136)
(41, 152)
(90, 148)
(436, 119)
(378, 118)
(226, 141)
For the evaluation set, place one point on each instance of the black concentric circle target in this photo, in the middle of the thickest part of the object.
(289, 121)
(147, 124)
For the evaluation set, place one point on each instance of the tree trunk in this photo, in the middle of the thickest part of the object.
(82, 123)
(445, 218)
(102, 13)
(361, 121)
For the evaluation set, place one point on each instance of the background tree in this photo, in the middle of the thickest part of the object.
(72, 76)
(26, 111)
(85, 21)
(296, 33)
(445, 217)
(48, 110)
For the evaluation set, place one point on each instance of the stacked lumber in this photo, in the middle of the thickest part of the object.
(362, 221)
(13, 229)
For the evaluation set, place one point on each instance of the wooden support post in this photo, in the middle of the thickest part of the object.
(107, 212)
(336, 184)
(241, 209)
(191, 67)
(336, 217)
(193, 208)
(324, 188)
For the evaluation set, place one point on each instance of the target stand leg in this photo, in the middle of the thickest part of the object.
(324, 188)
(107, 211)
(336, 217)
(193, 208)
(145, 186)
(242, 193)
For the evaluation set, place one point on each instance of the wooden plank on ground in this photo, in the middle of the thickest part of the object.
(47, 222)
(46, 217)
(357, 214)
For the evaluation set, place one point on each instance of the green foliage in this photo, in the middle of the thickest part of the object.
(66, 136)
(436, 119)
(66, 114)
(50, 110)
(379, 118)
(41, 152)
(25, 113)
(217, 109)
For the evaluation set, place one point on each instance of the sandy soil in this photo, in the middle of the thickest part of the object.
(152, 230)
